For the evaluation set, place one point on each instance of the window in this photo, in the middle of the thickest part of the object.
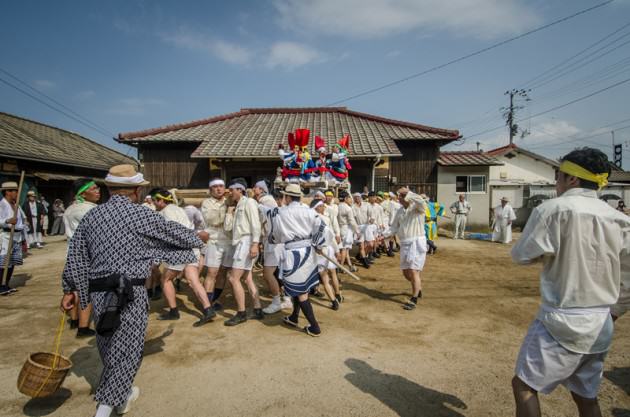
(470, 184)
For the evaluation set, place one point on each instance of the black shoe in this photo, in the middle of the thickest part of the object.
(339, 298)
(74, 324)
(365, 263)
(289, 321)
(217, 306)
(409, 305)
(170, 315)
(396, 248)
(5, 290)
(390, 252)
(238, 318)
(309, 330)
(376, 255)
(335, 305)
(257, 314)
(85, 332)
(370, 260)
(317, 294)
(208, 315)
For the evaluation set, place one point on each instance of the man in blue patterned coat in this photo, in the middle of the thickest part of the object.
(110, 257)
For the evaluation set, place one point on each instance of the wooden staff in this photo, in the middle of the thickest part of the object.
(7, 258)
(334, 261)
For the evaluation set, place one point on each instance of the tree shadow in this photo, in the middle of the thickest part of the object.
(36, 407)
(406, 398)
(618, 412)
(620, 377)
(370, 292)
(86, 363)
(156, 345)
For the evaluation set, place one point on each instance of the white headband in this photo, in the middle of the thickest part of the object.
(262, 185)
(319, 203)
(237, 185)
(216, 181)
(136, 179)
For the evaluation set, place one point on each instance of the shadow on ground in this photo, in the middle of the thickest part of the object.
(373, 293)
(406, 398)
(620, 377)
(44, 406)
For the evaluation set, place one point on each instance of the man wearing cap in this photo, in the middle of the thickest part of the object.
(332, 212)
(271, 253)
(244, 223)
(348, 228)
(584, 246)
(376, 219)
(359, 209)
(301, 231)
(327, 269)
(394, 206)
(461, 209)
(148, 202)
(164, 204)
(109, 259)
(217, 256)
(502, 224)
(86, 196)
(408, 224)
(11, 216)
(35, 213)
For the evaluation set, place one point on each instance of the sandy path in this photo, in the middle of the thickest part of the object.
(453, 356)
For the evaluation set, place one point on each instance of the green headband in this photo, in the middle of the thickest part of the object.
(83, 189)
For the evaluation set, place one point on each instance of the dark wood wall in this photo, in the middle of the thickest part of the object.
(417, 167)
(170, 165)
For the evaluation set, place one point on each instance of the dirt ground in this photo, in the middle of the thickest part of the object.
(452, 356)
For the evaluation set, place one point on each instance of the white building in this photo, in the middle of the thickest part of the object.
(466, 173)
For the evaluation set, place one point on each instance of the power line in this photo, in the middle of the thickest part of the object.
(92, 124)
(473, 54)
(553, 108)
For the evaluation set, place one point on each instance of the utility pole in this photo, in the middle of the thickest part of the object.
(509, 113)
(478, 143)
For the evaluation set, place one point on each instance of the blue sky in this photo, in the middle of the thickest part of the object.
(132, 65)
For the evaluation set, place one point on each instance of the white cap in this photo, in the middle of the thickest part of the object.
(262, 185)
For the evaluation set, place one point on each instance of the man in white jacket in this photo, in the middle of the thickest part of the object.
(584, 246)
(502, 224)
(408, 225)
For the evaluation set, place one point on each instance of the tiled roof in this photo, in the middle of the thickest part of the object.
(25, 139)
(504, 150)
(466, 158)
(257, 132)
(619, 176)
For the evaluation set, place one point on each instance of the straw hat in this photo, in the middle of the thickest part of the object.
(505, 199)
(293, 190)
(124, 176)
(9, 185)
(30, 194)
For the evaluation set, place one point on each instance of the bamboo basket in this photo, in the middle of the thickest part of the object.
(43, 374)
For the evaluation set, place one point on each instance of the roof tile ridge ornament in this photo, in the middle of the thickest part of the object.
(127, 136)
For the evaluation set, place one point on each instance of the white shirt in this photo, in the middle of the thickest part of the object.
(177, 214)
(504, 214)
(296, 222)
(6, 213)
(33, 206)
(332, 213)
(245, 221)
(346, 217)
(408, 222)
(394, 206)
(460, 207)
(195, 217)
(375, 214)
(73, 215)
(584, 245)
(265, 202)
(360, 213)
(213, 212)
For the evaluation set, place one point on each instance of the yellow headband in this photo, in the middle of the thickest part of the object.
(571, 168)
(161, 197)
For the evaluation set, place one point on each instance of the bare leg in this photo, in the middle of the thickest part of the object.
(84, 316)
(235, 276)
(526, 398)
(192, 276)
(335, 281)
(272, 283)
(325, 280)
(168, 288)
(253, 290)
(211, 279)
(587, 407)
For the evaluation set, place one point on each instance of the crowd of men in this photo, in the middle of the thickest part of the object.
(303, 248)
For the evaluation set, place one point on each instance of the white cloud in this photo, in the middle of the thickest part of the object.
(134, 106)
(226, 51)
(291, 55)
(380, 18)
(45, 84)
(547, 132)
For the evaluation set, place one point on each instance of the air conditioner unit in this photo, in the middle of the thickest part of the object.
(503, 175)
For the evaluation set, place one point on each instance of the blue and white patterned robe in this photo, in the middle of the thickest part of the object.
(299, 229)
(125, 238)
